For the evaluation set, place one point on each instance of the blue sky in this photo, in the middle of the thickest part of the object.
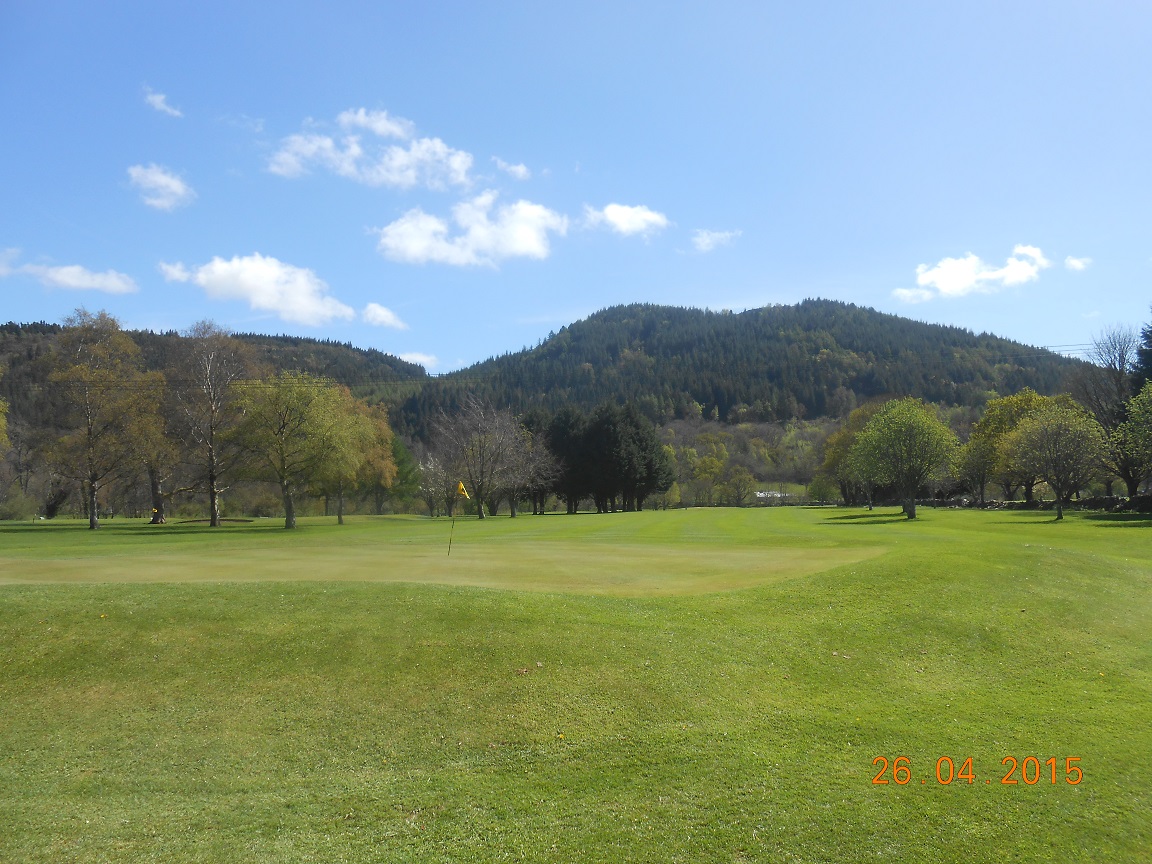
(447, 181)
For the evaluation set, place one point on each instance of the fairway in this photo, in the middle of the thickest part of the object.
(684, 686)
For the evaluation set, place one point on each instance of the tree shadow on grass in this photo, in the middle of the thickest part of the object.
(1120, 520)
(135, 528)
(872, 518)
(1102, 520)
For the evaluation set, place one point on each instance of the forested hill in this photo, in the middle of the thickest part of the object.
(816, 358)
(25, 353)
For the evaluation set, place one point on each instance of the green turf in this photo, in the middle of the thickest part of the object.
(704, 685)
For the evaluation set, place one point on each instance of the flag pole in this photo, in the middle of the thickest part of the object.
(460, 490)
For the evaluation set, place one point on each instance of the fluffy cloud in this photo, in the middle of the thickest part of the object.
(425, 360)
(160, 102)
(159, 187)
(487, 234)
(705, 240)
(72, 277)
(382, 316)
(627, 220)
(1077, 263)
(519, 171)
(419, 161)
(378, 122)
(958, 277)
(77, 278)
(295, 294)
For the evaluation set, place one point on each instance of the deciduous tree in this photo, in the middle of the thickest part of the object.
(837, 448)
(1137, 429)
(1104, 386)
(904, 446)
(1060, 445)
(481, 440)
(204, 387)
(299, 429)
(1000, 417)
(109, 405)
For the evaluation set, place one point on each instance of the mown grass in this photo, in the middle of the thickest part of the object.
(709, 685)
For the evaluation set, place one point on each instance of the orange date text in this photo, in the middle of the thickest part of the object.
(1027, 771)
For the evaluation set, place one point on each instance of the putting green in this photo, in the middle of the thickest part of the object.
(626, 554)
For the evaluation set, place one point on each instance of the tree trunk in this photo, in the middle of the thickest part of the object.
(213, 501)
(1133, 486)
(289, 509)
(340, 504)
(93, 520)
(156, 485)
(910, 508)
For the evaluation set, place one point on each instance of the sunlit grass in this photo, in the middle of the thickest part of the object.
(327, 695)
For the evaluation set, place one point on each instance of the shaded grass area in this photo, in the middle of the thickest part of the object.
(330, 720)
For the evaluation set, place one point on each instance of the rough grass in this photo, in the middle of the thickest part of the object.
(255, 695)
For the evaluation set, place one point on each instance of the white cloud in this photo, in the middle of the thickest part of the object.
(425, 360)
(958, 277)
(378, 122)
(160, 102)
(382, 316)
(1077, 263)
(174, 272)
(159, 187)
(705, 240)
(486, 236)
(77, 278)
(913, 295)
(519, 171)
(627, 220)
(72, 276)
(295, 294)
(7, 258)
(421, 161)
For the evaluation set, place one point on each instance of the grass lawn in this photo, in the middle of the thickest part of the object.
(694, 686)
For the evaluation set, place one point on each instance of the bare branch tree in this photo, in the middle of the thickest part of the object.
(482, 441)
(204, 388)
(1104, 387)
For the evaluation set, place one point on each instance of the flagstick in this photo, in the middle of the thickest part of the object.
(460, 490)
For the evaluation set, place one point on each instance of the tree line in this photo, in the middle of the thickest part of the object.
(1101, 430)
(198, 414)
(611, 456)
(211, 418)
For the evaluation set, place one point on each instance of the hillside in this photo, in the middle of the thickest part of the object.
(372, 374)
(819, 357)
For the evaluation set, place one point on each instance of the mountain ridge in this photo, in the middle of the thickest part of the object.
(814, 358)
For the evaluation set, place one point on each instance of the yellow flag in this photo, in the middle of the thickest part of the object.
(460, 490)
